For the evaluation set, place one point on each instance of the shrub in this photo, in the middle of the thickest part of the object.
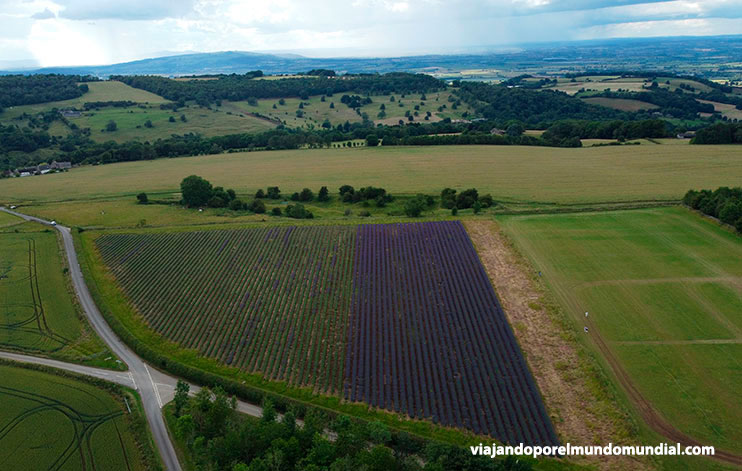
(142, 198)
(276, 211)
(257, 207)
(298, 211)
(323, 195)
(306, 195)
(236, 205)
(216, 202)
(260, 194)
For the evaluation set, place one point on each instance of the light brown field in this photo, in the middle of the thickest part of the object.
(620, 104)
(509, 173)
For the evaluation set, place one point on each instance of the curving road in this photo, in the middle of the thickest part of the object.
(140, 373)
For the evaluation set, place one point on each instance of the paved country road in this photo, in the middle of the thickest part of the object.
(140, 373)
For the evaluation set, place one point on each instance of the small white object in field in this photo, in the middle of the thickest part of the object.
(585, 329)
(585, 313)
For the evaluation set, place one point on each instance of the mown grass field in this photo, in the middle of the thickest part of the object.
(54, 422)
(663, 289)
(37, 313)
(532, 174)
(615, 83)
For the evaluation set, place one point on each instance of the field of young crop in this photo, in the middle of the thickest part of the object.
(49, 422)
(402, 317)
(428, 337)
(663, 289)
(36, 310)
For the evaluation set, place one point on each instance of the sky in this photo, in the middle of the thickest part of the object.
(78, 32)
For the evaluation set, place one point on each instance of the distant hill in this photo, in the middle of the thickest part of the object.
(703, 56)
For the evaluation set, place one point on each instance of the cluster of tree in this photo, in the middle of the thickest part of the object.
(96, 105)
(536, 108)
(13, 138)
(40, 88)
(560, 131)
(242, 87)
(723, 203)
(466, 199)
(197, 191)
(523, 82)
(719, 133)
(355, 101)
(218, 439)
(676, 104)
(415, 206)
(348, 194)
(322, 73)
(272, 193)
(306, 195)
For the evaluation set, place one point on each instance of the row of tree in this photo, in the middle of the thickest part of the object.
(719, 133)
(198, 192)
(40, 88)
(724, 203)
(218, 439)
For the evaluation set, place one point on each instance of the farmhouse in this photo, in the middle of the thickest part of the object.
(61, 165)
(687, 135)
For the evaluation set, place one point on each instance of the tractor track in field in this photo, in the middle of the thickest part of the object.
(650, 415)
(83, 424)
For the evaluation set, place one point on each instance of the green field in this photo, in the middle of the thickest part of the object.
(98, 91)
(509, 173)
(37, 314)
(317, 111)
(664, 291)
(54, 422)
(130, 123)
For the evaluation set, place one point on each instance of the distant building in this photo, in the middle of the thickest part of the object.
(497, 132)
(70, 113)
(61, 165)
(687, 135)
(44, 169)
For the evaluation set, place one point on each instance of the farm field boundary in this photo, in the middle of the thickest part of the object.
(188, 362)
(556, 175)
(664, 314)
(38, 311)
(95, 421)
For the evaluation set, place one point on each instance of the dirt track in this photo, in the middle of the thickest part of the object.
(648, 413)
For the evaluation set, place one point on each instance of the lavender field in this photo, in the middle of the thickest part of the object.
(399, 316)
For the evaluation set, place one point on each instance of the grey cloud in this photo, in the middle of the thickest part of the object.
(44, 15)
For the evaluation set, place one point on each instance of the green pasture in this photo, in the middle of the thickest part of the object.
(509, 173)
(37, 311)
(316, 111)
(55, 422)
(664, 290)
(98, 91)
(131, 121)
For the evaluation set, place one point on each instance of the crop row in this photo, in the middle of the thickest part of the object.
(428, 337)
(271, 300)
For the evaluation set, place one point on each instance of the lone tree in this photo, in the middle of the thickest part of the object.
(111, 126)
(196, 191)
(142, 198)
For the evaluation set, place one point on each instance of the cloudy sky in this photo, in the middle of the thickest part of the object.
(89, 32)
